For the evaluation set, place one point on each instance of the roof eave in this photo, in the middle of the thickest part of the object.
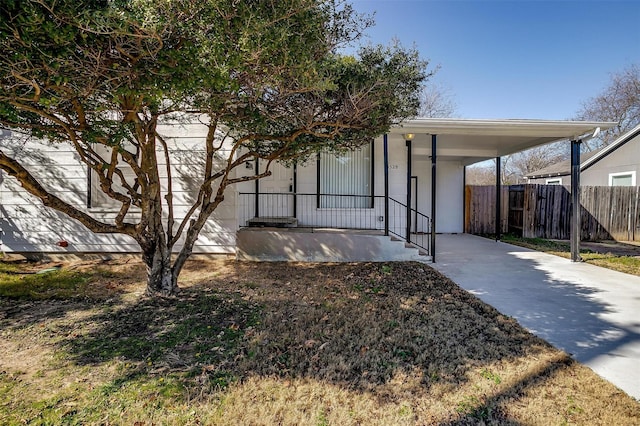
(561, 129)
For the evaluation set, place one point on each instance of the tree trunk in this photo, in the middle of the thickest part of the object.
(160, 278)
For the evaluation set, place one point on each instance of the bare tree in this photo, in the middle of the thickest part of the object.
(619, 101)
(516, 166)
(437, 101)
(481, 174)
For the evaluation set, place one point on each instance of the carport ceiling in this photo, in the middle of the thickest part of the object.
(470, 141)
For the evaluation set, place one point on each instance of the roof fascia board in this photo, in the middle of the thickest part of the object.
(550, 128)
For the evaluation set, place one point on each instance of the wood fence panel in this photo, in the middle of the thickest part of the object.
(621, 217)
(635, 221)
(480, 215)
(606, 212)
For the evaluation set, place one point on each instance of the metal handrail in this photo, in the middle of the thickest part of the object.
(340, 211)
(420, 228)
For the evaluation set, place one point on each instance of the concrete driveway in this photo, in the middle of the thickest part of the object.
(590, 312)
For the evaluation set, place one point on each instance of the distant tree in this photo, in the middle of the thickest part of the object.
(620, 101)
(516, 166)
(104, 73)
(481, 174)
(436, 101)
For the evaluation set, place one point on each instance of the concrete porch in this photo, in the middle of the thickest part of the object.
(323, 245)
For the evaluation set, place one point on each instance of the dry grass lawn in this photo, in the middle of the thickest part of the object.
(615, 255)
(277, 343)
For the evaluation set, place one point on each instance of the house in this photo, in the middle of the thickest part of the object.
(420, 164)
(617, 164)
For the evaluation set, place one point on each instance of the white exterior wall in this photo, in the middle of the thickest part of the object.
(28, 226)
(450, 193)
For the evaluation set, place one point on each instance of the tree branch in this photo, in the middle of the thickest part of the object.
(31, 185)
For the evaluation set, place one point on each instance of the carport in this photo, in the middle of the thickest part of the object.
(471, 141)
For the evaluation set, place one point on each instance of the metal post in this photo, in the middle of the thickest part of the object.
(408, 142)
(257, 188)
(464, 199)
(295, 190)
(433, 198)
(318, 180)
(498, 198)
(575, 201)
(386, 184)
(89, 201)
(415, 200)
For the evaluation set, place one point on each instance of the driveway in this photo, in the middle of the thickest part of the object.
(590, 312)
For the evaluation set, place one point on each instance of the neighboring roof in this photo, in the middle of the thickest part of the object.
(563, 168)
(473, 140)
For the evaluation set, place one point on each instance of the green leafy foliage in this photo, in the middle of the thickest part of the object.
(102, 75)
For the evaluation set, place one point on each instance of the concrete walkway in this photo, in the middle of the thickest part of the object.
(590, 312)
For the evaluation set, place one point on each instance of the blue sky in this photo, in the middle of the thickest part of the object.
(514, 59)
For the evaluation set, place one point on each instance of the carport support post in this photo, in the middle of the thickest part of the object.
(575, 201)
(386, 184)
(257, 184)
(408, 142)
(433, 198)
(498, 197)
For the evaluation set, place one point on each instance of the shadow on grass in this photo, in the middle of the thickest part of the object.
(196, 332)
(28, 298)
(355, 326)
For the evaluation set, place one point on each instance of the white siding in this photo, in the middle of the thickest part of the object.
(450, 192)
(28, 226)
(623, 160)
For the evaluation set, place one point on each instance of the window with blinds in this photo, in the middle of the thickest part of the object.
(345, 180)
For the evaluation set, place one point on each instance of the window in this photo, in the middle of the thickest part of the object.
(345, 180)
(622, 179)
(554, 181)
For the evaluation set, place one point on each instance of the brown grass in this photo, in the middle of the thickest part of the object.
(614, 255)
(258, 343)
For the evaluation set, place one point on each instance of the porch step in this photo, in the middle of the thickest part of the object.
(421, 251)
(273, 222)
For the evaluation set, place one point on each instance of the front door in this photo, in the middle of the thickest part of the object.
(276, 192)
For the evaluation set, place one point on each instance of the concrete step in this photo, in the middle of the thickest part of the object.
(304, 244)
(273, 222)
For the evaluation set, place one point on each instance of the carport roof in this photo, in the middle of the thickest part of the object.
(473, 140)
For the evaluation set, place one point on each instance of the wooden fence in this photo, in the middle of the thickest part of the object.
(544, 211)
